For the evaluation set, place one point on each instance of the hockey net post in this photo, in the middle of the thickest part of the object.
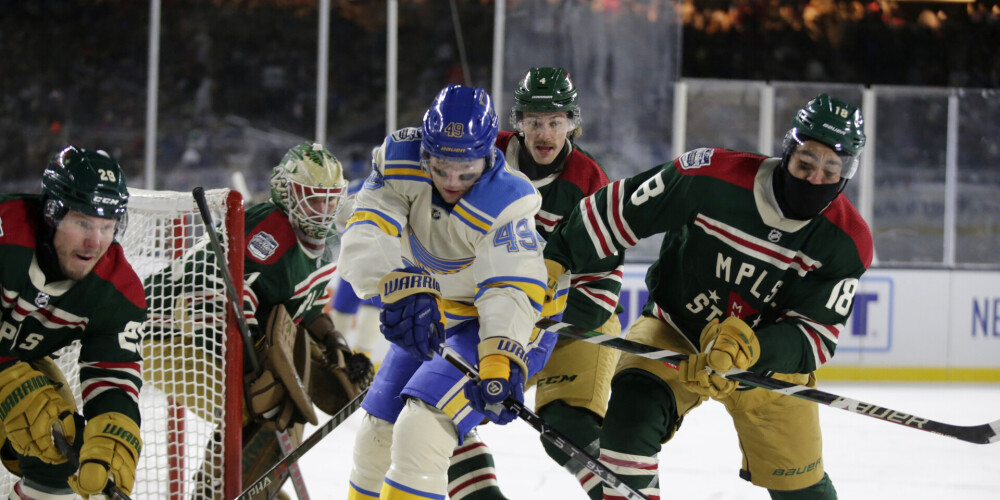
(191, 401)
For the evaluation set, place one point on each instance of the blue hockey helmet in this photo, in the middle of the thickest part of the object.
(461, 124)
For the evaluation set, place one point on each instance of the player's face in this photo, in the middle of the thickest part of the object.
(455, 178)
(816, 163)
(80, 241)
(545, 135)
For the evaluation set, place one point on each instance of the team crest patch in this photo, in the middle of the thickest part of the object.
(407, 134)
(375, 180)
(696, 158)
(262, 246)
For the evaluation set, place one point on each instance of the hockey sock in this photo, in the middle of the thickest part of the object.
(472, 474)
(583, 428)
(641, 414)
(822, 490)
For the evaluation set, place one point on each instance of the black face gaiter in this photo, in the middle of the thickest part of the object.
(534, 171)
(800, 199)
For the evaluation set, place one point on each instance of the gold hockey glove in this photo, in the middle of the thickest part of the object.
(111, 447)
(29, 405)
(727, 345)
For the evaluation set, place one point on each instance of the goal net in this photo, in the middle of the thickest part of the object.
(191, 399)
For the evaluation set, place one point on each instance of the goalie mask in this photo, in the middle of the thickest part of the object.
(309, 186)
(89, 182)
(838, 126)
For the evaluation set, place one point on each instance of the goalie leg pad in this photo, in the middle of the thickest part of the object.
(371, 456)
(423, 441)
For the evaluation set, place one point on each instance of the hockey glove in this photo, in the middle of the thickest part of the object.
(725, 346)
(554, 302)
(111, 446)
(501, 376)
(412, 314)
(29, 405)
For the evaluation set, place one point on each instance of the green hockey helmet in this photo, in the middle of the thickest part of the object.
(309, 186)
(834, 123)
(90, 182)
(545, 90)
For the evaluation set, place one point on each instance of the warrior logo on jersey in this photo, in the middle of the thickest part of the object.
(262, 246)
(696, 158)
(42, 299)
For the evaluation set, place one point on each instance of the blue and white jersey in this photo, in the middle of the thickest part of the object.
(483, 250)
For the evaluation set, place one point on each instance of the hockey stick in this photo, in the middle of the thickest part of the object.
(280, 469)
(234, 298)
(110, 489)
(978, 434)
(549, 433)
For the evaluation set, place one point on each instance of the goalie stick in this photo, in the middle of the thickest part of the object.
(549, 433)
(220, 258)
(978, 434)
(111, 490)
(280, 469)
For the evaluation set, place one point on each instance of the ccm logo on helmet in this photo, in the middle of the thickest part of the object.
(104, 199)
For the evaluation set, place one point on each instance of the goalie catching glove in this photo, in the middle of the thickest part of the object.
(111, 447)
(502, 366)
(725, 346)
(337, 374)
(412, 315)
(29, 405)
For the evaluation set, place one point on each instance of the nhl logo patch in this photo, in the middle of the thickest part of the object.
(696, 158)
(42, 299)
(262, 246)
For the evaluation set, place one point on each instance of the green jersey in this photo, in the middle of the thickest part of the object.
(593, 291)
(104, 311)
(728, 251)
(277, 271)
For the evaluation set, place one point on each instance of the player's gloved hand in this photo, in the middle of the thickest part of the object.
(34, 405)
(502, 365)
(727, 345)
(111, 446)
(554, 303)
(412, 314)
(500, 379)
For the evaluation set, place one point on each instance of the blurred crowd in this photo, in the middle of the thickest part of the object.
(875, 42)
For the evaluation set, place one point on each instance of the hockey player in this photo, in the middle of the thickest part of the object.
(65, 278)
(573, 387)
(287, 267)
(443, 231)
(757, 270)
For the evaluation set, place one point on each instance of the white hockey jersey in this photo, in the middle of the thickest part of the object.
(484, 250)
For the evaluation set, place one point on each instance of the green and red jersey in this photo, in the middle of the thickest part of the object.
(105, 311)
(593, 292)
(728, 251)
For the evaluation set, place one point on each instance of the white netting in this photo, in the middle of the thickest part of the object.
(182, 398)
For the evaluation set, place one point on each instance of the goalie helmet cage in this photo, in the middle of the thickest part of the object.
(191, 400)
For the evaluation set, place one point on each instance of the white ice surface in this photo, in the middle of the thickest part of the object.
(866, 458)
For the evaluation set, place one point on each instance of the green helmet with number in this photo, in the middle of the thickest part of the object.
(309, 186)
(545, 90)
(834, 123)
(90, 182)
